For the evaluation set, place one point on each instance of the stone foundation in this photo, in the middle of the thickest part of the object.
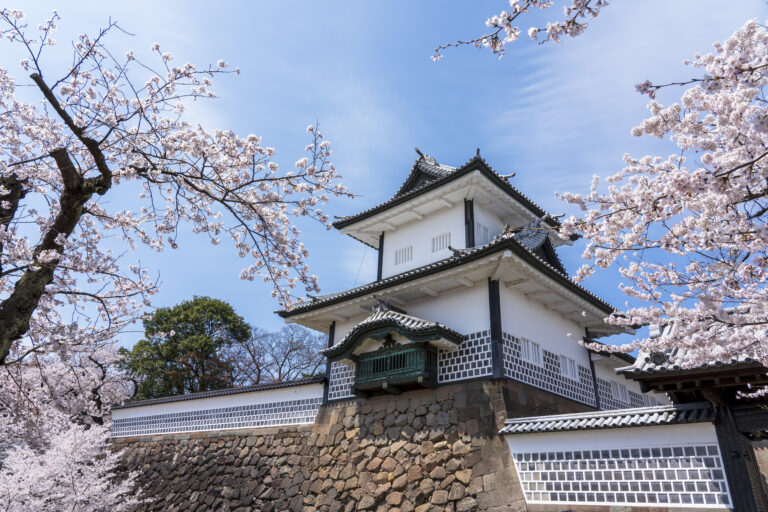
(426, 450)
(761, 453)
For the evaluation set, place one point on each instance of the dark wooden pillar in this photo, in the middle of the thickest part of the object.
(494, 306)
(744, 478)
(592, 369)
(381, 256)
(594, 381)
(469, 223)
(331, 334)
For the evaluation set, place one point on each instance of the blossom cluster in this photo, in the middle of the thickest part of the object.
(505, 27)
(688, 231)
(103, 130)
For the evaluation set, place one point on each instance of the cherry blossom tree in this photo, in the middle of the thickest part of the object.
(98, 157)
(688, 231)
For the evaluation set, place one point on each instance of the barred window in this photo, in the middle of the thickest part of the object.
(620, 391)
(482, 235)
(441, 242)
(568, 368)
(531, 351)
(403, 255)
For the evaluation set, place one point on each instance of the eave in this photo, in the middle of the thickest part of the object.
(425, 335)
(676, 414)
(734, 376)
(465, 182)
(505, 260)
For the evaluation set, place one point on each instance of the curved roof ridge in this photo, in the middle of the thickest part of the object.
(696, 412)
(463, 256)
(454, 174)
(384, 316)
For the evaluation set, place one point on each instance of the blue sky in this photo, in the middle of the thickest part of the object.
(554, 114)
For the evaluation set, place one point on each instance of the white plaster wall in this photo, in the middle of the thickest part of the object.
(463, 309)
(343, 327)
(633, 437)
(489, 220)
(217, 402)
(526, 318)
(419, 234)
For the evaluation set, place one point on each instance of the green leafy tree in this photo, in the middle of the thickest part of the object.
(184, 350)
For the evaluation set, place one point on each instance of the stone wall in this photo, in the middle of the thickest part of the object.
(426, 450)
(761, 453)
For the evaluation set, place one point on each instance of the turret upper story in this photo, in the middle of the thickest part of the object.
(440, 208)
(505, 294)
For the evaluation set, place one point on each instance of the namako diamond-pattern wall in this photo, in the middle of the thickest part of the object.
(681, 475)
(473, 359)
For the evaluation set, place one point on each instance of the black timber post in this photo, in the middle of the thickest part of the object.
(469, 222)
(494, 306)
(381, 256)
(331, 334)
(744, 482)
(594, 374)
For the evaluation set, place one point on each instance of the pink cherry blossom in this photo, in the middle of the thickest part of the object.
(689, 231)
(97, 131)
(505, 30)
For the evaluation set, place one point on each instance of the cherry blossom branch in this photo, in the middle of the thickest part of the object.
(505, 30)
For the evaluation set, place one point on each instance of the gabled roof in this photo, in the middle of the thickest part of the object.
(220, 392)
(536, 239)
(383, 316)
(460, 257)
(426, 174)
(424, 171)
(618, 418)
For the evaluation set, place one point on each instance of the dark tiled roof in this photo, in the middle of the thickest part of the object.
(668, 362)
(221, 392)
(460, 257)
(382, 317)
(424, 171)
(620, 418)
(439, 175)
(536, 239)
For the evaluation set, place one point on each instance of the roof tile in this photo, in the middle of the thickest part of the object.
(618, 418)
(221, 392)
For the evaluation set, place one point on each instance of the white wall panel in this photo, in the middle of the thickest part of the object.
(418, 234)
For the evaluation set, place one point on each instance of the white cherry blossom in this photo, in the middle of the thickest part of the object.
(101, 132)
(690, 230)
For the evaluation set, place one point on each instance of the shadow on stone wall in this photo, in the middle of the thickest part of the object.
(425, 450)
(761, 453)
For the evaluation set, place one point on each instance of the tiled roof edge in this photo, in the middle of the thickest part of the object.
(468, 255)
(461, 171)
(221, 392)
(698, 412)
(644, 366)
(366, 324)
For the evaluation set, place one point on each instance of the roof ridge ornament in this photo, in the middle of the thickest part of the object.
(383, 306)
(459, 252)
(426, 158)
